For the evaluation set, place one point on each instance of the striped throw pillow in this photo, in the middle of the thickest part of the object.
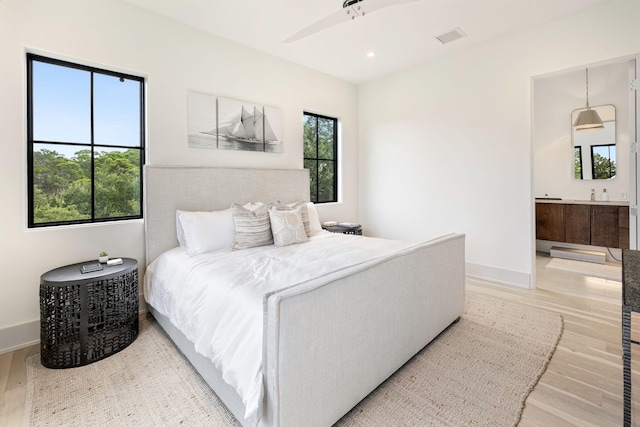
(252, 227)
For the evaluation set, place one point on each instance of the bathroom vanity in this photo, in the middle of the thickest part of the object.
(583, 222)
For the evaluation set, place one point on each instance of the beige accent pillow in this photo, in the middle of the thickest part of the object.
(287, 227)
(252, 227)
(304, 212)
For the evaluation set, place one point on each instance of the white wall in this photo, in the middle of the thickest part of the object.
(446, 146)
(175, 59)
(554, 98)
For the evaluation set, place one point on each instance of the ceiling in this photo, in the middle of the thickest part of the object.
(400, 36)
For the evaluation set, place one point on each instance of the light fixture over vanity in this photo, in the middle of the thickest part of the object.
(588, 119)
(595, 151)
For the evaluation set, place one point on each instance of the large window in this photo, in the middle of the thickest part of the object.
(321, 156)
(85, 131)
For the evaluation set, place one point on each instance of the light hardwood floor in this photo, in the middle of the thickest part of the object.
(582, 385)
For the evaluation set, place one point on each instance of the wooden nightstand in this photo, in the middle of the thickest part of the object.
(85, 317)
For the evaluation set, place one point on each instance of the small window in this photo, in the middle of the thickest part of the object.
(577, 162)
(321, 156)
(85, 143)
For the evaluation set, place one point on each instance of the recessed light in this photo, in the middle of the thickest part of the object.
(371, 54)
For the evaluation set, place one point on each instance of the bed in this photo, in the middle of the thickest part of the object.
(325, 340)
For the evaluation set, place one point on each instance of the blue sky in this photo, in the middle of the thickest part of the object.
(62, 107)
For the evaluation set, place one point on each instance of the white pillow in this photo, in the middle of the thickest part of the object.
(287, 226)
(314, 221)
(201, 232)
(252, 227)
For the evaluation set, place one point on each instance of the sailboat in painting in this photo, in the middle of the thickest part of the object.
(246, 126)
(241, 126)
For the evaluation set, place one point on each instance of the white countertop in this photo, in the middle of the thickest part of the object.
(585, 202)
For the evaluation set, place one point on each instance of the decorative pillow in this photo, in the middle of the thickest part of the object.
(200, 232)
(287, 227)
(252, 206)
(252, 227)
(314, 220)
(304, 212)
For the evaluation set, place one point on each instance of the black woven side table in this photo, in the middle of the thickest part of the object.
(344, 228)
(630, 303)
(87, 317)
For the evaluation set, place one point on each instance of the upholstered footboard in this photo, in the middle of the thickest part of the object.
(329, 344)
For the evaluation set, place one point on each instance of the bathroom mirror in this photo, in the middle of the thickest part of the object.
(594, 150)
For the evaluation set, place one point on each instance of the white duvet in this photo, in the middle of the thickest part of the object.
(216, 299)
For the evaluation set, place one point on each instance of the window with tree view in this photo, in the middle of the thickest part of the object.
(603, 161)
(321, 156)
(85, 143)
(577, 162)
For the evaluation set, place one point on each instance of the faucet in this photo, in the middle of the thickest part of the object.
(593, 195)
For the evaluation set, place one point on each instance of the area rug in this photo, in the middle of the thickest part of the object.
(478, 372)
(603, 271)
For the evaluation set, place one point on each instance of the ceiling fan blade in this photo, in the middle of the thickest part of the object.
(357, 9)
(326, 22)
(372, 5)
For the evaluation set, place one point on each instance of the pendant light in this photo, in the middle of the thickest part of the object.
(588, 119)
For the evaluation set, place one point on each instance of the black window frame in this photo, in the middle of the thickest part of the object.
(577, 157)
(32, 57)
(317, 158)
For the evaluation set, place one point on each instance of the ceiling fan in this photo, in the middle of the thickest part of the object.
(351, 9)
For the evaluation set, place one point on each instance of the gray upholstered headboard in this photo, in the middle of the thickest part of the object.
(168, 188)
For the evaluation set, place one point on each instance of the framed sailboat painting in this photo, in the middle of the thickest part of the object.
(239, 125)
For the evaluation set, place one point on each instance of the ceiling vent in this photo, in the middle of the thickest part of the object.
(450, 36)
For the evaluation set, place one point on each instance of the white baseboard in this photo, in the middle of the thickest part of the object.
(19, 336)
(27, 334)
(499, 275)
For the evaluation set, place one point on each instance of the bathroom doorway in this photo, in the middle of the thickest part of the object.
(568, 182)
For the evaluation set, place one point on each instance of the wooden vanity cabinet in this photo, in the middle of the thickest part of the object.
(604, 226)
(550, 221)
(578, 224)
(595, 225)
(623, 227)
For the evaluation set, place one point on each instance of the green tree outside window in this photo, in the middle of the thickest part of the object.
(320, 156)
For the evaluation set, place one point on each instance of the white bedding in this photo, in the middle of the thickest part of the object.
(216, 299)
